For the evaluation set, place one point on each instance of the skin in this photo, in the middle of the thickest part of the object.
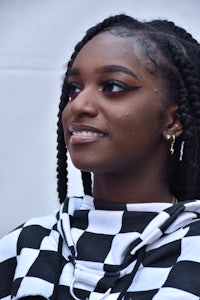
(129, 156)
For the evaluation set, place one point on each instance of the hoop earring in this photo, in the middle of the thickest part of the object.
(172, 144)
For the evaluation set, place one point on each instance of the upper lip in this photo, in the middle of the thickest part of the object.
(76, 127)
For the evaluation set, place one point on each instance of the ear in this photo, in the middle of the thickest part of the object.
(172, 121)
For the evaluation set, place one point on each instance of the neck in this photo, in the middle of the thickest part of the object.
(139, 186)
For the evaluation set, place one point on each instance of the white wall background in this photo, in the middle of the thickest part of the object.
(36, 40)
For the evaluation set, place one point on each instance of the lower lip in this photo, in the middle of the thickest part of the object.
(76, 139)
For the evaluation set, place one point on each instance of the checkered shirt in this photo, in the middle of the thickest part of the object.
(96, 247)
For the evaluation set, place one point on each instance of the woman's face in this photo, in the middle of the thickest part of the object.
(112, 121)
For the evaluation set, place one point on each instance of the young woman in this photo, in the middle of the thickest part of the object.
(129, 114)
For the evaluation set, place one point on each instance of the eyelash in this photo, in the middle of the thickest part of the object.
(106, 87)
(123, 88)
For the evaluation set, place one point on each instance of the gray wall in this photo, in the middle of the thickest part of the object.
(36, 40)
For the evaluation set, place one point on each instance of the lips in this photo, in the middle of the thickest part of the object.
(81, 133)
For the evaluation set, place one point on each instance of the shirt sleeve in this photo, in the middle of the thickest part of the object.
(183, 281)
(8, 262)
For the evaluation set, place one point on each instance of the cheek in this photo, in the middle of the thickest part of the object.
(66, 119)
(125, 127)
(139, 123)
(129, 124)
(66, 115)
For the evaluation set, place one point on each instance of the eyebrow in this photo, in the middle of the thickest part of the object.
(116, 68)
(106, 69)
(73, 72)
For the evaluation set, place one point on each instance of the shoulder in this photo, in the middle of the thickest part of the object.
(183, 277)
(32, 232)
(37, 233)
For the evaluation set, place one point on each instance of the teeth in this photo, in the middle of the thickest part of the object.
(87, 133)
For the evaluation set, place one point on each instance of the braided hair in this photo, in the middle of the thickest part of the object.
(175, 54)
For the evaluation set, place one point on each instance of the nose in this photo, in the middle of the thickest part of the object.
(85, 103)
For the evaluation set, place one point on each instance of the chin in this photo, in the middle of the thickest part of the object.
(88, 167)
(82, 166)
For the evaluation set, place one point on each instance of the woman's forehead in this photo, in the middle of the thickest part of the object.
(109, 49)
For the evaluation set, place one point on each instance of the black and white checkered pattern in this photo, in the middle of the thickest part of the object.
(98, 246)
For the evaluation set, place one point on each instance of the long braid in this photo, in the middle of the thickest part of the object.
(61, 158)
(185, 49)
(87, 183)
(189, 165)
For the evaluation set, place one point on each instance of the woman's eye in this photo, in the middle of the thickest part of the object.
(74, 90)
(115, 88)
(112, 88)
